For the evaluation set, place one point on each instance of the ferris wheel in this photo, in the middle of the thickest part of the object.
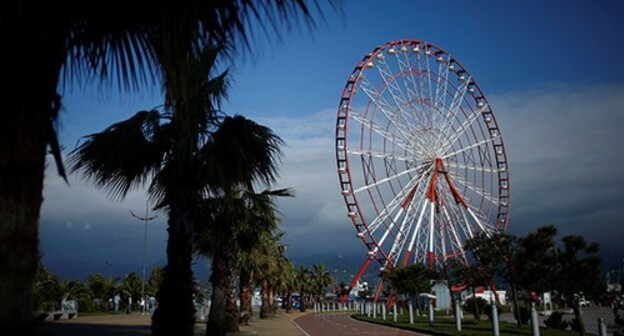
(421, 160)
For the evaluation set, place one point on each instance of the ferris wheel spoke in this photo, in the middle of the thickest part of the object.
(473, 167)
(470, 147)
(395, 203)
(465, 126)
(381, 155)
(389, 178)
(378, 100)
(417, 229)
(453, 109)
(441, 82)
(398, 96)
(479, 191)
(409, 83)
(415, 86)
(454, 236)
(371, 125)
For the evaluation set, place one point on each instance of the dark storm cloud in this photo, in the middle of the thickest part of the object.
(565, 147)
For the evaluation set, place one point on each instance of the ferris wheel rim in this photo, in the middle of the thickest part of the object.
(349, 192)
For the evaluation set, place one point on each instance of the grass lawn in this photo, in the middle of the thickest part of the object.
(445, 325)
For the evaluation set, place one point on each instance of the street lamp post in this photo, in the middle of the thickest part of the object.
(145, 220)
(110, 269)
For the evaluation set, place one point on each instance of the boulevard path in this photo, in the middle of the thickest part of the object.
(293, 324)
(342, 324)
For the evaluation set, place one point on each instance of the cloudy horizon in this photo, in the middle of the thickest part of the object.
(562, 144)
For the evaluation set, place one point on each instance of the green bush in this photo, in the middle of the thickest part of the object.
(524, 314)
(488, 311)
(575, 325)
(556, 321)
(469, 306)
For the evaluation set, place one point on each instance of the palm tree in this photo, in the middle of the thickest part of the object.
(321, 279)
(285, 282)
(101, 288)
(170, 154)
(304, 284)
(82, 44)
(130, 286)
(234, 216)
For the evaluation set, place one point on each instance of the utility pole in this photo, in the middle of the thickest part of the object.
(145, 220)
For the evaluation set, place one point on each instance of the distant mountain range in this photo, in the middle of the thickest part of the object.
(342, 267)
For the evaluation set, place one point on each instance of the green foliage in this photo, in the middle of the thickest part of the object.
(555, 320)
(578, 260)
(523, 314)
(410, 280)
(575, 325)
(536, 261)
(475, 306)
(487, 310)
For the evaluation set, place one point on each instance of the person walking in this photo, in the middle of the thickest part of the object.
(142, 305)
(129, 308)
(151, 304)
(116, 301)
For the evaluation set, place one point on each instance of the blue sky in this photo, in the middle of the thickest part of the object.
(552, 71)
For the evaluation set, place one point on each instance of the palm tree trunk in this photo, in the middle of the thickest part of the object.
(265, 308)
(30, 106)
(272, 307)
(231, 309)
(288, 302)
(476, 304)
(20, 202)
(579, 318)
(216, 317)
(245, 294)
(514, 296)
(175, 312)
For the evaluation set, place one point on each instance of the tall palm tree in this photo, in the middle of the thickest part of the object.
(322, 279)
(101, 288)
(285, 282)
(305, 285)
(80, 44)
(235, 216)
(164, 148)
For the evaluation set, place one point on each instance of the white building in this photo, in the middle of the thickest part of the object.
(486, 295)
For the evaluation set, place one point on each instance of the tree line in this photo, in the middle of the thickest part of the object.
(534, 264)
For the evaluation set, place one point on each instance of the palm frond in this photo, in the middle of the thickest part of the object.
(111, 52)
(241, 151)
(122, 156)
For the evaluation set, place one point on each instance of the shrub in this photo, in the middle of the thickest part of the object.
(556, 321)
(488, 311)
(469, 306)
(575, 325)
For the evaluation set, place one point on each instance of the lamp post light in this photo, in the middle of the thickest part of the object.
(145, 220)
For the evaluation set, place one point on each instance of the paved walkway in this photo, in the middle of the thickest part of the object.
(292, 324)
(137, 324)
(342, 324)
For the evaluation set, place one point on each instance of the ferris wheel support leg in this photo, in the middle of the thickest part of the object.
(493, 287)
(391, 300)
(378, 291)
(356, 279)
